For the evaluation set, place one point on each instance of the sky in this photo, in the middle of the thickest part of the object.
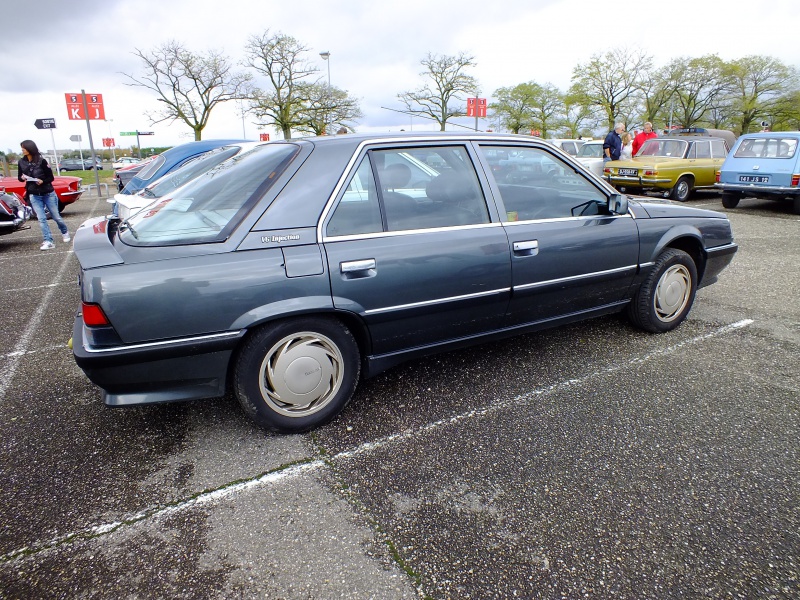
(54, 47)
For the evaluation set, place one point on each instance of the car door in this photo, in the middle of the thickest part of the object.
(414, 251)
(702, 165)
(568, 254)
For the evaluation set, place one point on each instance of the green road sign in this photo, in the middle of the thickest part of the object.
(127, 133)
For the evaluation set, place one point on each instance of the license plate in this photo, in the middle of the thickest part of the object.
(754, 178)
(629, 172)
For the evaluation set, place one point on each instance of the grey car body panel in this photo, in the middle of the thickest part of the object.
(181, 311)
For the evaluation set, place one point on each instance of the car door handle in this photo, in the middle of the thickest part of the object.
(357, 269)
(526, 248)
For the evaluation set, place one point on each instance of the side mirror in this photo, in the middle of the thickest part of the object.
(618, 204)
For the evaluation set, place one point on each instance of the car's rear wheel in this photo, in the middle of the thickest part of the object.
(681, 190)
(297, 374)
(61, 207)
(666, 296)
(796, 205)
(730, 199)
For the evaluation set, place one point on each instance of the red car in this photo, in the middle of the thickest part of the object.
(68, 189)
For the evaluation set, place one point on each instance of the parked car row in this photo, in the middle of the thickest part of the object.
(77, 164)
(289, 271)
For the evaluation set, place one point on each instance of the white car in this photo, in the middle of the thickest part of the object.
(571, 147)
(591, 156)
(124, 161)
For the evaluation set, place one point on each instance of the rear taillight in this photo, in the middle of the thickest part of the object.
(716, 176)
(796, 179)
(93, 316)
(651, 172)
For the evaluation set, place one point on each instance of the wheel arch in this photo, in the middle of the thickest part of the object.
(280, 312)
(688, 239)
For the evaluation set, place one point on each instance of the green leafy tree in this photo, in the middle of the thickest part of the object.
(281, 60)
(759, 86)
(698, 83)
(189, 85)
(610, 82)
(447, 85)
(513, 108)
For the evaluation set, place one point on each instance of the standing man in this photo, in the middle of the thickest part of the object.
(643, 136)
(612, 145)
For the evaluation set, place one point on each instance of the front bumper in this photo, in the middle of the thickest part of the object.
(716, 260)
(164, 371)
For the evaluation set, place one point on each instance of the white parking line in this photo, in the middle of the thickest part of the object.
(300, 469)
(24, 340)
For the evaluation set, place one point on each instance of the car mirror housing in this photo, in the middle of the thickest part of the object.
(618, 204)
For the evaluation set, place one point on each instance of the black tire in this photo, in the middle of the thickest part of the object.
(681, 189)
(666, 296)
(61, 207)
(796, 205)
(298, 374)
(730, 199)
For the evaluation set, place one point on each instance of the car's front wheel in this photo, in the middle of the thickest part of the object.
(666, 296)
(297, 374)
(681, 189)
(730, 199)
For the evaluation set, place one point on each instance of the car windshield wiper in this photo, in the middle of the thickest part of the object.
(148, 193)
(127, 223)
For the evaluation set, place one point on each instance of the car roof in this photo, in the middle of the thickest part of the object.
(771, 134)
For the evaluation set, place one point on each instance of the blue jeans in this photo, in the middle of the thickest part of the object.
(51, 202)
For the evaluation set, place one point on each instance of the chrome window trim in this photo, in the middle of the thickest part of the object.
(528, 286)
(375, 311)
(382, 234)
(165, 343)
(562, 219)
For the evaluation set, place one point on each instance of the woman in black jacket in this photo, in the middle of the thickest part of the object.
(38, 177)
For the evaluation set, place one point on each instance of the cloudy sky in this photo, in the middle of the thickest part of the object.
(52, 47)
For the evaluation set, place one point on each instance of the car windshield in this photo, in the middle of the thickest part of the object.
(189, 171)
(591, 151)
(664, 147)
(208, 208)
(771, 147)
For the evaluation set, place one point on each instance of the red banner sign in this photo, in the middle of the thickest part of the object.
(94, 102)
(476, 107)
(108, 142)
(263, 137)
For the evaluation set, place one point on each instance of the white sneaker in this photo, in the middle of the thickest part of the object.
(47, 246)
(66, 237)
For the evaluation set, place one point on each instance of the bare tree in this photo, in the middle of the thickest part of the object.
(280, 58)
(326, 108)
(188, 85)
(448, 83)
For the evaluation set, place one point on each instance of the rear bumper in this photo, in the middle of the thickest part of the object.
(166, 371)
(646, 183)
(758, 190)
(70, 197)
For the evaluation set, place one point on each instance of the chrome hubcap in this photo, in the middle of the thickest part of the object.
(301, 374)
(672, 293)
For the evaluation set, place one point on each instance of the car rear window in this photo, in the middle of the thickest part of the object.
(209, 207)
(771, 147)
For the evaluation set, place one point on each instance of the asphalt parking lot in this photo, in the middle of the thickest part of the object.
(588, 461)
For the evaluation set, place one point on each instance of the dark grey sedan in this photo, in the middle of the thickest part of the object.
(291, 271)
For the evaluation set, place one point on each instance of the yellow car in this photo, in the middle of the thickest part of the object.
(674, 165)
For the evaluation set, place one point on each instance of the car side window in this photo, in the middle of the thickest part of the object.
(702, 149)
(411, 188)
(428, 188)
(535, 184)
(718, 149)
(358, 210)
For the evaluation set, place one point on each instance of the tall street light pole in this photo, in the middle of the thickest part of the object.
(326, 56)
